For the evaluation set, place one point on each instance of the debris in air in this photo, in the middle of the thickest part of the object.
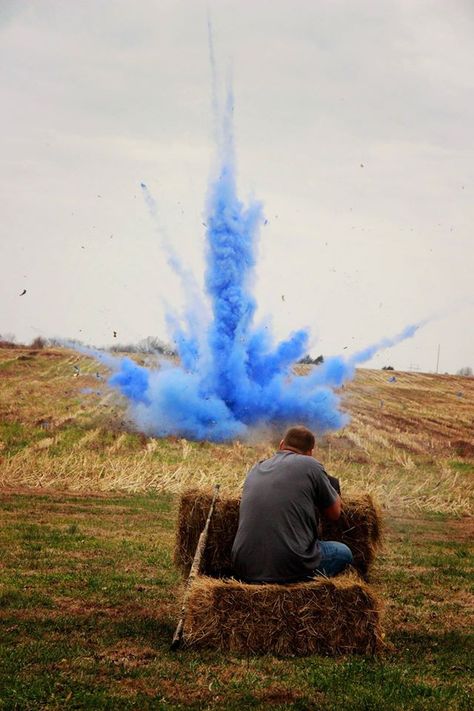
(23, 292)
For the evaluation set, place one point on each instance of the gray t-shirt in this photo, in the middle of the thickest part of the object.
(276, 539)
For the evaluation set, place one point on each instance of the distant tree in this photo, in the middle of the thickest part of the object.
(307, 360)
(466, 371)
(388, 367)
(55, 342)
(149, 345)
(124, 348)
(8, 340)
(38, 343)
(153, 344)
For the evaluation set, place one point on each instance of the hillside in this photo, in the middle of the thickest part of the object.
(410, 439)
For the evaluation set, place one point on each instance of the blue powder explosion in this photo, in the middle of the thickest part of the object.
(232, 378)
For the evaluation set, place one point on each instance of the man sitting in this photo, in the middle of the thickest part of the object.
(277, 537)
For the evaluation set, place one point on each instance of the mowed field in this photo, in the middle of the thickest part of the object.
(88, 592)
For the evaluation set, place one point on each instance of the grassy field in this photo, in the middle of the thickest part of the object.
(88, 592)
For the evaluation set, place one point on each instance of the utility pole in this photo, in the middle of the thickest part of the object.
(437, 357)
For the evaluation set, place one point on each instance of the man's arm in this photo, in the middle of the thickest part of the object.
(333, 512)
(334, 483)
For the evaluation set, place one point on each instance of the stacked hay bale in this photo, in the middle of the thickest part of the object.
(324, 616)
(359, 527)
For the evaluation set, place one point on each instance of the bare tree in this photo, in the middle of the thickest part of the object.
(38, 343)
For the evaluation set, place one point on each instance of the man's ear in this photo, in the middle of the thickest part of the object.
(281, 444)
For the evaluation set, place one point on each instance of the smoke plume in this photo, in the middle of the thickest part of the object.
(231, 377)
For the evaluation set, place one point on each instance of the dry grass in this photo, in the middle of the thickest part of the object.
(409, 442)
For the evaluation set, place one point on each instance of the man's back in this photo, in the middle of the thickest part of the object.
(277, 536)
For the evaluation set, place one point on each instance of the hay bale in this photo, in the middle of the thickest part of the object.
(324, 616)
(193, 510)
(359, 527)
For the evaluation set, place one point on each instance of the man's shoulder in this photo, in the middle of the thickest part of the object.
(286, 460)
(319, 465)
(303, 465)
(307, 462)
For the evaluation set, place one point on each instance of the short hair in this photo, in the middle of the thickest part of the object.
(300, 438)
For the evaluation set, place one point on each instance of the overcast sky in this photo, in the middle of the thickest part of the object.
(354, 127)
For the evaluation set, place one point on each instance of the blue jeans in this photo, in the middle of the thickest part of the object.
(335, 557)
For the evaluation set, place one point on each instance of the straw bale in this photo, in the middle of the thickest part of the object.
(330, 616)
(193, 510)
(359, 527)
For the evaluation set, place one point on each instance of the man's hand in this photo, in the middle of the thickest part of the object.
(333, 512)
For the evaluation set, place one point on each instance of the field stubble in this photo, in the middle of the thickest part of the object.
(409, 442)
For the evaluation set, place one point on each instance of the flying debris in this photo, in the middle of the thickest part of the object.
(23, 292)
(77, 371)
(231, 375)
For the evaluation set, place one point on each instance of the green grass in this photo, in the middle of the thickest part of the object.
(17, 436)
(88, 604)
(66, 439)
(458, 466)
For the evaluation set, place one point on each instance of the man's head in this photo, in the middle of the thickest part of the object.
(298, 439)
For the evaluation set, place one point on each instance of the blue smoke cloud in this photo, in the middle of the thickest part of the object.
(232, 377)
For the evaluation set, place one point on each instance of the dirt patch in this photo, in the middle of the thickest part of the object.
(463, 529)
(463, 449)
(132, 687)
(83, 608)
(277, 694)
(128, 655)
(186, 695)
(400, 423)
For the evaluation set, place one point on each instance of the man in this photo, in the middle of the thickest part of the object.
(277, 538)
